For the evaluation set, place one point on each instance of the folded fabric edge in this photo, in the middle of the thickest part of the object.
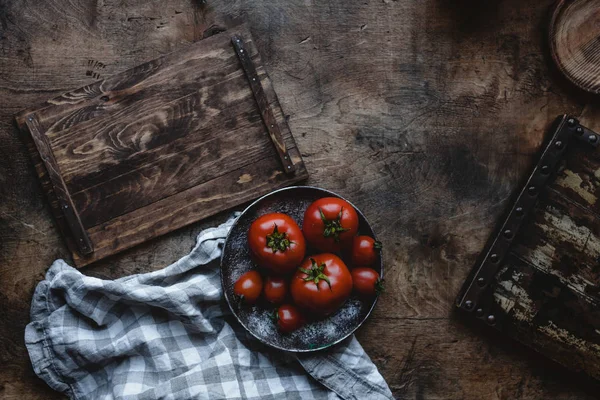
(346, 383)
(38, 347)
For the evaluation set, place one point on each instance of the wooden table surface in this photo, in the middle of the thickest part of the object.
(426, 114)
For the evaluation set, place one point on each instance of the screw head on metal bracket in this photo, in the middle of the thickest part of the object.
(571, 122)
(579, 131)
(508, 234)
(491, 319)
(469, 304)
(559, 144)
(479, 312)
(494, 258)
(545, 169)
(519, 211)
(593, 138)
(481, 282)
(532, 190)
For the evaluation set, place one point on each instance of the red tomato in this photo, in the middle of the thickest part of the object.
(248, 287)
(365, 250)
(366, 282)
(329, 224)
(277, 243)
(321, 284)
(289, 318)
(275, 290)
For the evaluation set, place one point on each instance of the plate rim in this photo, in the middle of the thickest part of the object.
(252, 205)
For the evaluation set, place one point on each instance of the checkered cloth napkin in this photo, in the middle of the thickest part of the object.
(169, 334)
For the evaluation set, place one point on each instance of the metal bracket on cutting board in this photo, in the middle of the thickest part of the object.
(566, 129)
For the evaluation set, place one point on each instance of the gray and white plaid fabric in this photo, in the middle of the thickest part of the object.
(169, 334)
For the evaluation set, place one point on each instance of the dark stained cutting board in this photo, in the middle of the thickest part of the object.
(545, 289)
(162, 145)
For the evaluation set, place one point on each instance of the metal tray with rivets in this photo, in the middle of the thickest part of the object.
(538, 277)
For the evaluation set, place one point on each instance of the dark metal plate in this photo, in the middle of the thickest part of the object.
(236, 261)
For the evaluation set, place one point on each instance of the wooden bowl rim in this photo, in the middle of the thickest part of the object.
(560, 6)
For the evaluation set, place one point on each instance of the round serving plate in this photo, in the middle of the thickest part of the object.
(315, 335)
(575, 42)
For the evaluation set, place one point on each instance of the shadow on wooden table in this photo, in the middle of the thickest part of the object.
(539, 366)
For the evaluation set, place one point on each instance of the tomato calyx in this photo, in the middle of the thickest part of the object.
(377, 245)
(315, 273)
(379, 288)
(333, 227)
(278, 241)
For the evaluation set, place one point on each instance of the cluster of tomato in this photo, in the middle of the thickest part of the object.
(319, 284)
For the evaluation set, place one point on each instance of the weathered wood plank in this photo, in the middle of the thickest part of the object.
(170, 125)
(547, 294)
(538, 309)
(59, 188)
(200, 201)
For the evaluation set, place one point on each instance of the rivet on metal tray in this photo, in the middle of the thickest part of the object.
(559, 144)
(579, 130)
(468, 304)
(571, 122)
(545, 169)
(532, 190)
(519, 211)
(592, 138)
(494, 258)
(491, 319)
(479, 312)
(481, 282)
(508, 234)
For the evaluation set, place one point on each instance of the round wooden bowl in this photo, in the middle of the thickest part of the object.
(236, 260)
(575, 42)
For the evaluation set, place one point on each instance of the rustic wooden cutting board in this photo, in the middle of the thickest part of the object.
(545, 291)
(162, 145)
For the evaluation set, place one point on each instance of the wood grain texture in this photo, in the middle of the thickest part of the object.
(425, 114)
(547, 294)
(575, 42)
(133, 146)
(58, 187)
